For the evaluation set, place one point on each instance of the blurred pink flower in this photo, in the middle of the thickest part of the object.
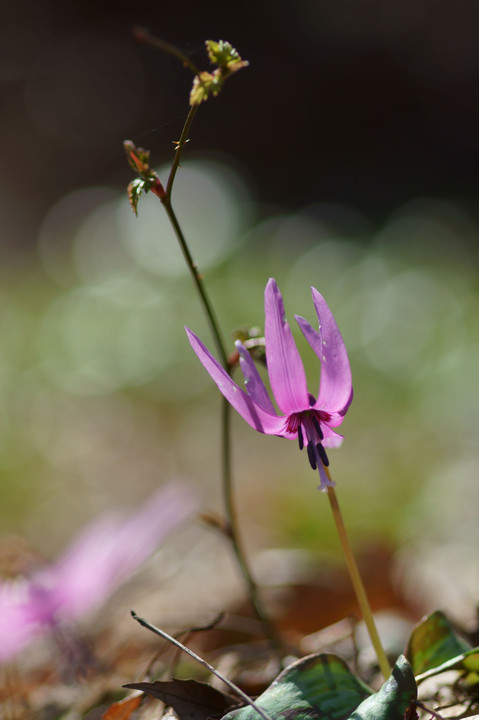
(101, 559)
(305, 418)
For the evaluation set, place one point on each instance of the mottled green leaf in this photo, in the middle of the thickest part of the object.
(434, 642)
(138, 158)
(393, 699)
(471, 660)
(468, 662)
(204, 85)
(317, 686)
(224, 55)
(136, 188)
(227, 61)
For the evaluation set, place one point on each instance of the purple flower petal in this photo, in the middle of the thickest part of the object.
(255, 387)
(98, 562)
(110, 550)
(331, 439)
(335, 390)
(254, 414)
(288, 380)
(285, 368)
(18, 622)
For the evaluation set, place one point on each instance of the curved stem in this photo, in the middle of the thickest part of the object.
(144, 35)
(230, 512)
(357, 582)
(196, 277)
(179, 149)
(234, 535)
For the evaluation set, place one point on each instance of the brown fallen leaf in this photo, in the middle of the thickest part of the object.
(189, 698)
(122, 709)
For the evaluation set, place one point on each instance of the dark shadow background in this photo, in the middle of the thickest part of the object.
(367, 103)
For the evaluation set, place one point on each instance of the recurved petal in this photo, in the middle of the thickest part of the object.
(255, 387)
(110, 549)
(254, 415)
(331, 439)
(335, 389)
(285, 368)
(336, 418)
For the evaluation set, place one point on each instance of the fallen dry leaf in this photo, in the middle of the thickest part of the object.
(189, 698)
(122, 709)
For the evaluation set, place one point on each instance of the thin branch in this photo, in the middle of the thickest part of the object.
(428, 710)
(144, 35)
(179, 149)
(198, 281)
(205, 664)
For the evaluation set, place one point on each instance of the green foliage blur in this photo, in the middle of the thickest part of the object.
(103, 400)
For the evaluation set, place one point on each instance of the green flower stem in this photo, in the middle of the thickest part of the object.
(233, 532)
(358, 583)
(144, 35)
(232, 525)
(192, 267)
(179, 149)
(196, 277)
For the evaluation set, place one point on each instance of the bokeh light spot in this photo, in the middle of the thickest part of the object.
(203, 191)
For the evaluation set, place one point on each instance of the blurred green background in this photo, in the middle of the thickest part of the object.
(345, 158)
(103, 398)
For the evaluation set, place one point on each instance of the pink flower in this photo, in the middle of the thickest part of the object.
(304, 417)
(101, 559)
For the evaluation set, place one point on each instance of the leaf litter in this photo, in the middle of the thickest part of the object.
(98, 695)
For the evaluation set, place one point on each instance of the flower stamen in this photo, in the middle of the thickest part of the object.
(300, 437)
(322, 454)
(317, 425)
